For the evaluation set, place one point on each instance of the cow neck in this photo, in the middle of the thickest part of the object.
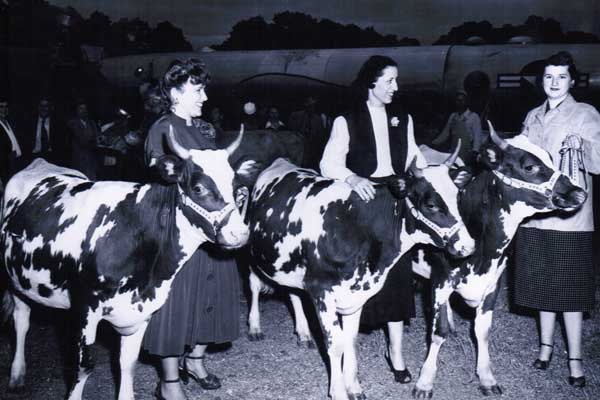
(480, 205)
(383, 216)
(164, 230)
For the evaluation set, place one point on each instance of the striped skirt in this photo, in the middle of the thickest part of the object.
(554, 270)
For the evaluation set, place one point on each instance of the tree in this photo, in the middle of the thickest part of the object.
(295, 30)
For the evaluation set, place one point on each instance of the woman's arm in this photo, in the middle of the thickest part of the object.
(333, 162)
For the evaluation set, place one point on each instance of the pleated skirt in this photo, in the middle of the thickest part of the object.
(203, 306)
(554, 270)
(396, 300)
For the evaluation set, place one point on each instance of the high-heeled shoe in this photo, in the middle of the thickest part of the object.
(158, 393)
(544, 364)
(400, 375)
(576, 381)
(209, 382)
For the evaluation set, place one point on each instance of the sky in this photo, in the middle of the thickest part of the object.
(206, 22)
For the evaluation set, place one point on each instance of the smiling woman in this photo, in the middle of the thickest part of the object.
(203, 306)
(554, 255)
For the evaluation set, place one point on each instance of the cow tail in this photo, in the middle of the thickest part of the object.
(7, 308)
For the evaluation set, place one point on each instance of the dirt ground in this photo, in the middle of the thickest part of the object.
(277, 369)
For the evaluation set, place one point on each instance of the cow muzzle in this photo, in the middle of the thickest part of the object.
(567, 196)
(227, 225)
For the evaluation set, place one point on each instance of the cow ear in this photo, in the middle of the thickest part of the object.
(490, 155)
(461, 176)
(170, 168)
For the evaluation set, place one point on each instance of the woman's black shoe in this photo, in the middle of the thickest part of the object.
(400, 375)
(579, 381)
(209, 382)
(157, 392)
(543, 364)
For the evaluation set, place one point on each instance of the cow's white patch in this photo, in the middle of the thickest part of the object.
(100, 231)
(522, 142)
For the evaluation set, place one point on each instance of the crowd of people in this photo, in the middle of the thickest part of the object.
(553, 255)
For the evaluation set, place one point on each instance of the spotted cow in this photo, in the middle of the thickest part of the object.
(518, 180)
(315, 234)
(110, 250)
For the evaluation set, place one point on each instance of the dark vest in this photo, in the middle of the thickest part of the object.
(362, 154)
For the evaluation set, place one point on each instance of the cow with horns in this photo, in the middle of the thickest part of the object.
(315, 234)
(518, 179)
(110, 250)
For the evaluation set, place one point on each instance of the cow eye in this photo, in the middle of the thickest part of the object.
(431, 207)
(532, 169)
(199, 190)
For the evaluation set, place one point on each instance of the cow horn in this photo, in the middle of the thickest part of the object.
(236, 143)
(503, 144)
(416, 171)
(450, 160)
(177, 148)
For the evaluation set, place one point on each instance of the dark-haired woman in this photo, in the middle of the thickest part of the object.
(203, 305)
(554, 266)
(373, 141)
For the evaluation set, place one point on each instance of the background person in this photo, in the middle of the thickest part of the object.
(10, 150)
(554, 265)
(465, 125)
(372, 142)
(203, 305)
(83, 133)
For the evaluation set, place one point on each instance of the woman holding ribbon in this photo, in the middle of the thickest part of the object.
(554, 262)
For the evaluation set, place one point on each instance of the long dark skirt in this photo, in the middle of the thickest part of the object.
(203, 306)
(396, 300)
(554, 270)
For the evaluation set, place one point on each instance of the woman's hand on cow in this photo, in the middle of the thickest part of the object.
(362, 186)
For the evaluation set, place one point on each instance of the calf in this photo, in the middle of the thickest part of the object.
(518, 180)
(110, 250)
(315, 234)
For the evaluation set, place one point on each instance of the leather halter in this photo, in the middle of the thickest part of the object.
(214, 218)
(444, 233)
(544, 188)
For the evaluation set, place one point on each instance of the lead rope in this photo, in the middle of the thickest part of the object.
(572, 160)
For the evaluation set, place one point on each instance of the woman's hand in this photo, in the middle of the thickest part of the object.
(362, 186)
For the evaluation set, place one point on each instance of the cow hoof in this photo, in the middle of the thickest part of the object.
(307, 344)
(256, 337)
(357, 396)
(422, 394)
(490, 390)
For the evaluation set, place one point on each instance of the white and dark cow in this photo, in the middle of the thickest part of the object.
(312, 233)
(518, 180)
(110, 250)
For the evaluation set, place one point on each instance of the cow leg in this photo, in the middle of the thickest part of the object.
(254, 329)
(130, 349)
(334, 341)
(85, 362)
(350, 324)
(302, 330)
(483, 323)
(440, 329)
(18, 368)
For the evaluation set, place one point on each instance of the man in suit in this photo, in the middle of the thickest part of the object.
(10, 150)
(46, 135)
(83, 132)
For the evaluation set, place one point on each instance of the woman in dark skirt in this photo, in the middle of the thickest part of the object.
(203, 305)
(372, 142)
(553, 254)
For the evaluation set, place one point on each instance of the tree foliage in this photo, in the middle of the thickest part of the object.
(296, 30)
(539, 29)
(36, 23)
